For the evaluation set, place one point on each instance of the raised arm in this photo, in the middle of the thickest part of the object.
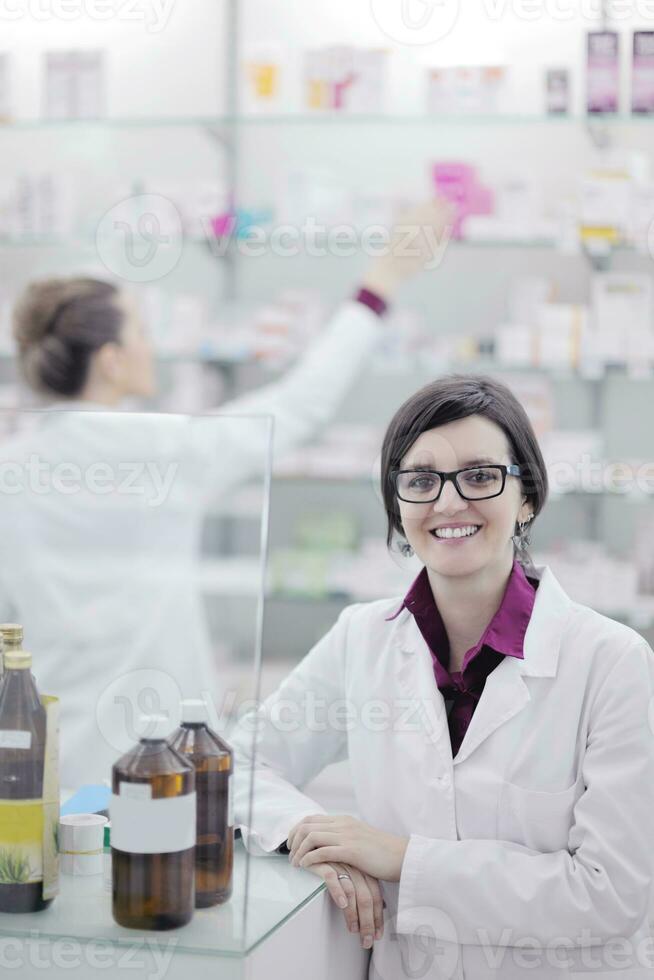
(310, 393)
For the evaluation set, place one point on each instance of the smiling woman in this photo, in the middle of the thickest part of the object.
(527, 766)
(446, 422)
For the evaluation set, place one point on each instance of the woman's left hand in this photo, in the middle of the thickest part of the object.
(325, 837)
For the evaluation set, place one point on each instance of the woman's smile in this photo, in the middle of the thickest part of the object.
(456, 534)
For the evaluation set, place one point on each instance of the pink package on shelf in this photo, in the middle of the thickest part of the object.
(454, 179)
(223, 225)
(482, 200)
(458, 182)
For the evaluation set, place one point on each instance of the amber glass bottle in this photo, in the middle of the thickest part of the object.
(22, 759)
(153, 818)
(213, 761)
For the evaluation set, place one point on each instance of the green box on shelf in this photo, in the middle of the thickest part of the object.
(330, 531)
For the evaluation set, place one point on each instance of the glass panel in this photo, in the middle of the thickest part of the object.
(132, 552)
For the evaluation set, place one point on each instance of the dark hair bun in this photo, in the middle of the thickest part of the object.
(58, 324)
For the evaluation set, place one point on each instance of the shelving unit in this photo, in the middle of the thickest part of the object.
(382, 146)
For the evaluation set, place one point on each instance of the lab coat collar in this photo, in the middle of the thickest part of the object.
(505, 692)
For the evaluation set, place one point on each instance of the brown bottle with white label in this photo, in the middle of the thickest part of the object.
(153, 815)
(22, 762)
(212, 758)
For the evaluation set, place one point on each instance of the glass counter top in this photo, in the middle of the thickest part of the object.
(82, 911)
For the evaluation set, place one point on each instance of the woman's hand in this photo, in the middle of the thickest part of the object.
(364, 908)
(418, 241)
(324, 837)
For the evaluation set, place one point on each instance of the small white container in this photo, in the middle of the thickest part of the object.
(81, 843)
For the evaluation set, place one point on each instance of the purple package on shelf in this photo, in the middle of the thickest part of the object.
(603, 68)
(642, 76)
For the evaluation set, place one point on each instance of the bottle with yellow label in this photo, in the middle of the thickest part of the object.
(22, 762)
(153, 832)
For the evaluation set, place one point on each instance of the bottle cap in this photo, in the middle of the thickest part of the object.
(155, 727)
(17, 660)
(194, 711)
(11, 633)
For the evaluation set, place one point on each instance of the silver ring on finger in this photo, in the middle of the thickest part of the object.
(345, 876)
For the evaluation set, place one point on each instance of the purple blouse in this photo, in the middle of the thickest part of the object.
(503, 637)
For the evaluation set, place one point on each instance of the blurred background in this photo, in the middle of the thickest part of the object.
(235, 165)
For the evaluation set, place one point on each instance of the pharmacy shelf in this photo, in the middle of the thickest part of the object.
(241, 578)
(368, 481)
(215, 359)
(328, 118)
(574, 251)
(233, 358)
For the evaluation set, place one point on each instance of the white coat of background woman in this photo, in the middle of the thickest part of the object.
(107, 587)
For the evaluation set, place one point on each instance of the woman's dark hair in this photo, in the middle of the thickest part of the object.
(457, 396)
(58, 325)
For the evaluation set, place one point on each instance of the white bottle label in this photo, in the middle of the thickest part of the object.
(230, 800)
(15, 740)
(142, 826)
(135, 791)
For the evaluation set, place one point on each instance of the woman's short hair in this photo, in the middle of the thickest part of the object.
(457, 396)
(58, 325)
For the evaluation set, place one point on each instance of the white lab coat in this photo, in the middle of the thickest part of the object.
(541, 827)
(107, 586)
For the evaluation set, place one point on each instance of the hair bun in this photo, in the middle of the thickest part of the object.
(36, 311)
(58, 324)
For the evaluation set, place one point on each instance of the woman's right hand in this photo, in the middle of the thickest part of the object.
(418, 240)
(364, 912)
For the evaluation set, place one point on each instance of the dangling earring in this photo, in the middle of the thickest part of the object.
(405, 548)
(522, 538)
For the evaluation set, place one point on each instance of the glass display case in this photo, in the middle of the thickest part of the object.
(115, 561)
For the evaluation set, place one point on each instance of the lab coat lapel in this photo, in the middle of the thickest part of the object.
(414, 677)
(505, 691)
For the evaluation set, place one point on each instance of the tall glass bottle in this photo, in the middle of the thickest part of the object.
(153, 817)
(212, 758)
(22, 760)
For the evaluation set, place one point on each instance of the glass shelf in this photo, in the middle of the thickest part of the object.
(82, 910)
(380, 369)
(638, 618)
(233, 250)
(329, 119)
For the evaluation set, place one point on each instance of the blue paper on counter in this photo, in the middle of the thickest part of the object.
(89, 799)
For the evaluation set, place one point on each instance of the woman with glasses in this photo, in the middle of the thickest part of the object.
(498, 732)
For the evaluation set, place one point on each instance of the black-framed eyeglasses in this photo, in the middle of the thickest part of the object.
(424, 486)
